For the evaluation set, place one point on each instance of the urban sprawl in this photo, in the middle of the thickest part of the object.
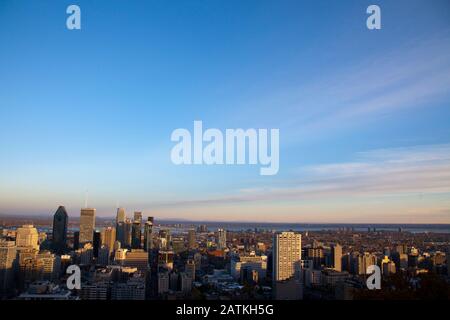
(136, 258)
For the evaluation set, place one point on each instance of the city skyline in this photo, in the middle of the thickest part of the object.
(363, 114)
(175, 263)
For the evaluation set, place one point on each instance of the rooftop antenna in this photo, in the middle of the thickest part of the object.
(86, 199)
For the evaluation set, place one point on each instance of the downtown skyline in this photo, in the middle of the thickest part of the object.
(363, 115)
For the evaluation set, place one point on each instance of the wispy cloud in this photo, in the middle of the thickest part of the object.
(412, 75)
(385, 173)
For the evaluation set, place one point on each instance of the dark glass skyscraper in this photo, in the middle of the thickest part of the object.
(76, 240)
(60, 221)
(120, 226)
(136, 235)
(97, 242)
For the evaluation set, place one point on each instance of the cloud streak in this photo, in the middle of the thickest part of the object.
(384, 173)
(413, 75)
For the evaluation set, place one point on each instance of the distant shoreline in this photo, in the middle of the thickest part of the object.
(244, 225)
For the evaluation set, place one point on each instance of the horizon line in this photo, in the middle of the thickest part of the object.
(237, 221)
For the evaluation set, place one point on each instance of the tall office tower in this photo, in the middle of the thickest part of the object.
(121, 215)
(7, 258)
(60, 221)
(221, 238)
(286, 261)
(287, 253)
(136, 230)
(148, 228)
(87, 225)
(120, 225)
(97, 242)
(120, 232)
(127, 234)
(137, 216)
(109, 238)
(27, 237)
(336, 257)
(192, 244)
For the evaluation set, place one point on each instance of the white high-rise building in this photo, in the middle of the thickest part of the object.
(221, 238)
(336, 257)
(27, 237)
(287, 253)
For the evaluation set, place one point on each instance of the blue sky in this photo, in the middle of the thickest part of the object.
(363, 115)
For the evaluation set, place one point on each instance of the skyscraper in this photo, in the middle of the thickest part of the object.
(336, 257)
(287, 253)
(87, 225)
(148, 229)
(286, 260)
(120, 225)
(7, 258)
(127, 233)
(137, 216)
(191, 239)
(60, 221)
(97, 242)
(136, 235)
(27, 237)
(221, 238)
(109, 238)
(121, 215)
